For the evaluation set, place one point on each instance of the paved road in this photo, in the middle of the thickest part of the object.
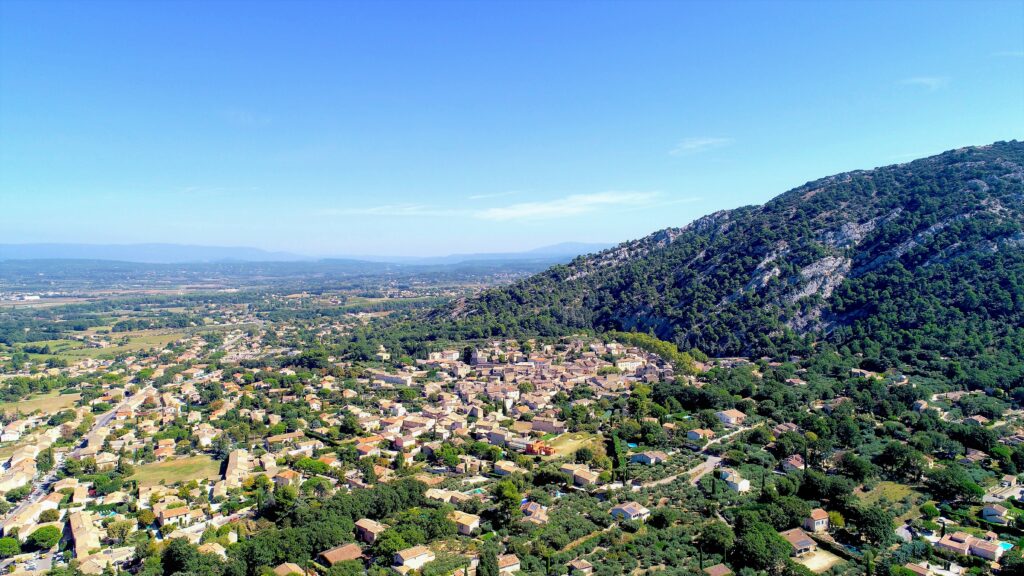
(41, 485)
(107, 417)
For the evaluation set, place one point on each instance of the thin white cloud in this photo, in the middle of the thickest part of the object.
(694, 145)
(930, 83)
(564, 207)
(568, 206)
(393, 210)
(1009, 54)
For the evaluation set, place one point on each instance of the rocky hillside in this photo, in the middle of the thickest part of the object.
(916, 257)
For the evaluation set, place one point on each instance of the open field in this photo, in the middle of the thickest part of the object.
(49, 403)
(140, 340)
(569, 443)
(42, 303)
(137, 340)
(893, 493)
(180, 470)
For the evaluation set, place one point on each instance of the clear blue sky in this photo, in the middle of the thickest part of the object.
(429, 128)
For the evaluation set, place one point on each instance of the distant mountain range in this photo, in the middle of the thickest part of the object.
(183, 253)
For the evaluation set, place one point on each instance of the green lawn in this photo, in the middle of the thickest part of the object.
(180, 470)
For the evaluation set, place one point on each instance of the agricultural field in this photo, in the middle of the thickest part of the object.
(49, 403)
(121, 343)
(180, 470)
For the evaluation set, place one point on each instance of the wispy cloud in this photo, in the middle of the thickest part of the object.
(489, 196)
(393, 210)
(689, 146)
(567, 206)
(1009, 54)
(930, 83)
(564, 207)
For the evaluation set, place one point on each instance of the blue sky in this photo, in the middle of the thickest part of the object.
(427, 128)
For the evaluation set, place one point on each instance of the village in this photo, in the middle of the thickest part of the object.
(190, 442)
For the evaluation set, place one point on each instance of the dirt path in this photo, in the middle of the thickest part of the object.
(583, 539)
(698, 471)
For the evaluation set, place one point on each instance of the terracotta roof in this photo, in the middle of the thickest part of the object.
(718, 570)
(342, 553)
(797, 538)
(506, 560)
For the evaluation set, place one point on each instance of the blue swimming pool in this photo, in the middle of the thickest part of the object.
(1005, 546)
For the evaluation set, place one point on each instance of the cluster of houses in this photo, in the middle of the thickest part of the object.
(472, 398)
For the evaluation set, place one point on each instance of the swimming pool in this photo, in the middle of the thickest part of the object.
(1005, 546)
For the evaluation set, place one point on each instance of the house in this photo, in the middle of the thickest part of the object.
(289, 568)
(585, 477)
(465, 523)
(963, 543)
(800, 541)
(649, 457)
(987, 549)
(718, 570)
(793, 463)
(413, 558)
(288, 478)
(580, 567)
(341, 553)
(734, 481)
(84, 532)
(214, 548)
(632, 511)
(996, 514)
(976, 420)
(973, 456)
(369, 530)
(785, 427)
(919, 569)
(505, 468)
(957, 542)
(534, 513)
(731, 417)
(817, 521)
(508, 564)
(700, 435)
(540, 448)
(1008, 481)
(175, 516)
